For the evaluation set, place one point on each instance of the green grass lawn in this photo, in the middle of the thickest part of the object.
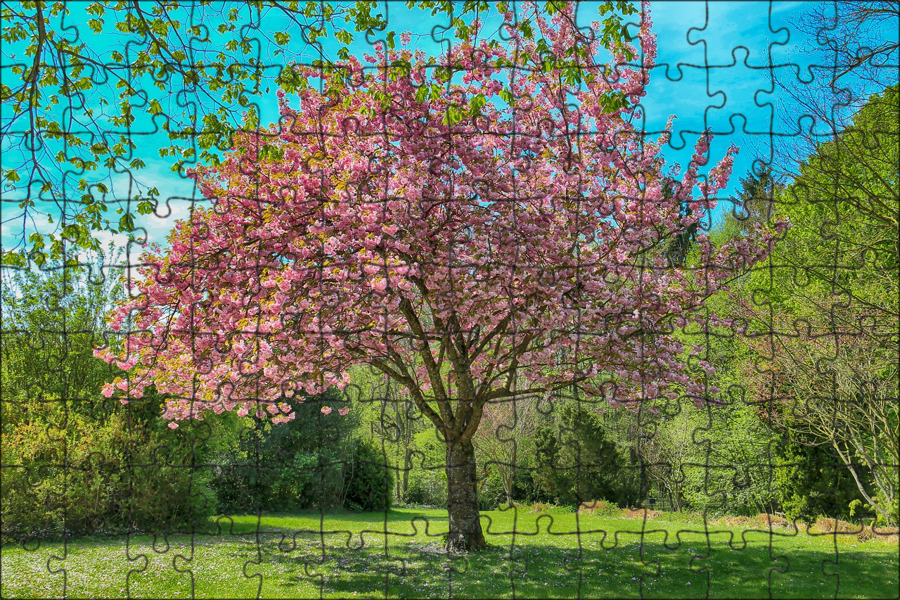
(398, 554)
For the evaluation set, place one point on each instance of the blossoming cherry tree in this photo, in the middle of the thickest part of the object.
(461, 224)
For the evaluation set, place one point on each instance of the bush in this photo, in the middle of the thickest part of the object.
(577, 458)
(313, 461)
(490, 489)
(73, 461)
(297, 465)
(810, 481)
(72, 472)
(369, 481)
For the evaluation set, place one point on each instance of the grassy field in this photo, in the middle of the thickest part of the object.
(398, 554)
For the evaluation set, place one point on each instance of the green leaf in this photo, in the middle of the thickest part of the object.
(145, 207)
(126, 223)
(476, 104)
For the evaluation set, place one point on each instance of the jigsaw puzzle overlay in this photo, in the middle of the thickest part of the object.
(450, 299)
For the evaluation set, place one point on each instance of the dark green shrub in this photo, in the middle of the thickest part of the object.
(370, 481)
(301, 464)
(577, 459)
(811, 481)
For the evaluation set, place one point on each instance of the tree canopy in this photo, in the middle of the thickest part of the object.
(408, 219)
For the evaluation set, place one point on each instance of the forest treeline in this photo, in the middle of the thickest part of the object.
(801, 418)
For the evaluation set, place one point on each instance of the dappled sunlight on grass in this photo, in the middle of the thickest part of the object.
(399, 554)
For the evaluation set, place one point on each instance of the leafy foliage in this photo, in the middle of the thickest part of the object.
(305, 464)
(314, 461)
(371, 480)
(824, 312)
(73, 461)
(811, 481)
(577, 458)
(69, 472)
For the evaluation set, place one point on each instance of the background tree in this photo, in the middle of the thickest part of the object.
(51, 321)
(852, 50)
(452, 232)
(756, 198)
(311, 462)
(667, 447)
(500, 440)
(389, 417)
(577, 457)
(823, 315)
(809, 480)
(715, 458)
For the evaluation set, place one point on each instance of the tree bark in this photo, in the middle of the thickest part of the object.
(404, 481)
(462, 499)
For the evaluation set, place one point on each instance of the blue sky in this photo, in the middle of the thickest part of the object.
(714, 71)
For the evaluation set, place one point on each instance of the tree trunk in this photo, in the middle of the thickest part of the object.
(462, 499)
(404, 481)
(508, 484)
